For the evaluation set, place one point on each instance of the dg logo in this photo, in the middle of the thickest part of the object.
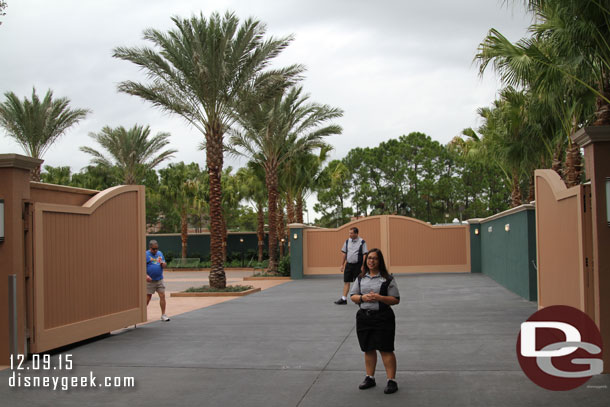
(560, 348)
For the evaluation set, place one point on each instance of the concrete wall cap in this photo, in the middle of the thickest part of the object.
(592, 134)
(517, 209)
(19, 161)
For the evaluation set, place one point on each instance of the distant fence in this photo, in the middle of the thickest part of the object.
(198, 244)
(408, 245)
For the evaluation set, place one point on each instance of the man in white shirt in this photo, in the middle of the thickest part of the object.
(354, 249)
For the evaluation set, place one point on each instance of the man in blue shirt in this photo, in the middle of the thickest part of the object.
(155, 263)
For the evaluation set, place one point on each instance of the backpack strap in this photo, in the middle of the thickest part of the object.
(359, 290)
(384, 291)
(360, 255)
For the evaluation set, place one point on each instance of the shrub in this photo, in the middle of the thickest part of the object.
(283, 268)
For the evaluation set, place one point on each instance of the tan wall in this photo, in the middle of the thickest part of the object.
(89, 271)
(563, 278)
(417, 247)
(408, 245)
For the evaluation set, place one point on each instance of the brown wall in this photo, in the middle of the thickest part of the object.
(408, 245)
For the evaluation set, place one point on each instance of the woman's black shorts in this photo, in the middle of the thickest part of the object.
(376, 330)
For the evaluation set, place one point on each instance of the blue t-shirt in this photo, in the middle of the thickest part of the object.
(153, 265)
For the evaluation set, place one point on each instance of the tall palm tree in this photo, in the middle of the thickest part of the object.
(200, 70)
(35, 125)
(272, 132)
(132, 151)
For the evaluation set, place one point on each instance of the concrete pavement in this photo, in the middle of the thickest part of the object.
(291, 346)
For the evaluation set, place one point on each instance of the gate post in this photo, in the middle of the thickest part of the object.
(596, 143)
(14, 190)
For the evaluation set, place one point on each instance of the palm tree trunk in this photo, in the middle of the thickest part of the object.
(516, 191)
(35, 173)
(557, 161)
(214, 160)
(290, 208)
(272, 185)
(299, 208)
(280, 229)
(183, 232)
(224, 240)
(531, 194)
(573, 168)
(602, 112)
(260, 232)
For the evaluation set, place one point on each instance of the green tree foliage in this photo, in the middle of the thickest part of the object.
(37, 124)
(411, 176)
(132, 151)
(57, 175)
(179, 187)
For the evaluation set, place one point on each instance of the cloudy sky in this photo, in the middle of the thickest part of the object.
(393, 66)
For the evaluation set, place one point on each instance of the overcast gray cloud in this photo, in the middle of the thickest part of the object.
(393, 66)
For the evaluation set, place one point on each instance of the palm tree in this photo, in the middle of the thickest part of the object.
(553, 68)
(273, 132)
(299, 176)
(132, 151)
(252, 180)
(579, 30)
(202, 69)
(180, 185)
(35, 125)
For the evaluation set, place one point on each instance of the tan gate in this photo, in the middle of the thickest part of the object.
(87, 280)
(564, 240)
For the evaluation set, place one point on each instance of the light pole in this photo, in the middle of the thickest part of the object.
(241, 243)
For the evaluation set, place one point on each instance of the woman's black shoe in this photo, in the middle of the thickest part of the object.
(367, 383)
(392, 387)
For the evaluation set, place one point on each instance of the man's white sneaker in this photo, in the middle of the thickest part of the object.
(164, 318)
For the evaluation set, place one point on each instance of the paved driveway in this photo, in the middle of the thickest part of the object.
(291, 346)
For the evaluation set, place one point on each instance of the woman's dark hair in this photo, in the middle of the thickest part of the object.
(382, 268)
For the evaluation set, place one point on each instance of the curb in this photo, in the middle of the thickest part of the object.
(172, 270)
(265, 278)
(218, 294)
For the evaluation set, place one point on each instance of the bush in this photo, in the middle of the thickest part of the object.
(169, 256)
(283, 268)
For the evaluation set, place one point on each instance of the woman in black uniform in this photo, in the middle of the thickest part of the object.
(375, 291)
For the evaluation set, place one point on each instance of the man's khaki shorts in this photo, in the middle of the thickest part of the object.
(155, 285)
